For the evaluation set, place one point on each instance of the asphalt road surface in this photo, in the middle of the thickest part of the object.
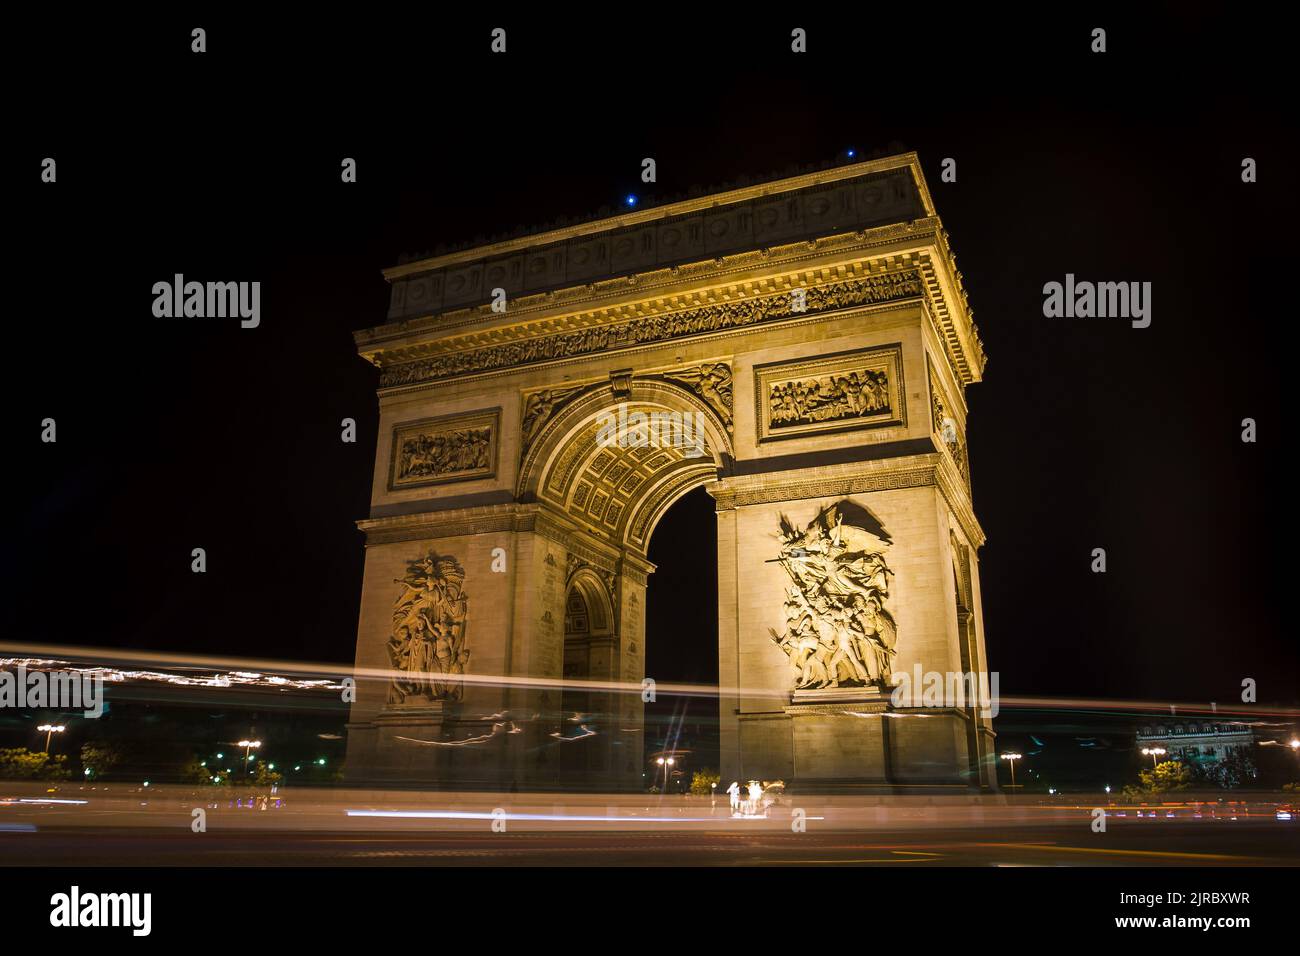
(84, 825)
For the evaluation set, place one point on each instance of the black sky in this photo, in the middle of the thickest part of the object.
(1085, 433)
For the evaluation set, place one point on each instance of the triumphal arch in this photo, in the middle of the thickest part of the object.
(801, 348)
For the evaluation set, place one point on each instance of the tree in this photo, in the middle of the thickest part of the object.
(1234, 770)
(1165, 777)
(195, 772)
(704, 780)
(19, 763)
(100, 759)
(265, 777)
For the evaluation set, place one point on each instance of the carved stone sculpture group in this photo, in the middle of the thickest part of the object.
(427, 646)
(445, 453)
(829, 398)
(838, 632)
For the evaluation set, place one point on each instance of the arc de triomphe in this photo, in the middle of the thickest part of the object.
(801, 348)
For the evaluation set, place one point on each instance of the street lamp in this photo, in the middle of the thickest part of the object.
(1153, 753)
(1011, 758)
(51, 729)
(248, 746)
(665, 762)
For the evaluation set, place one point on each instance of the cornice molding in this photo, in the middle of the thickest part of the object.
(452, 522)
(921, 246)
(743, 313)
(856, 478)
(592, 554)
(825, 481)
(592, 301)
(636, 569)
(442, 524)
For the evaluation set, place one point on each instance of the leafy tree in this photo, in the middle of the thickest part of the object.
(265, 777)
(703, 781)
(1234, 770)
(195, 772)
(100, 759)
(1133, 794)
(19, 763)
(1165, 777)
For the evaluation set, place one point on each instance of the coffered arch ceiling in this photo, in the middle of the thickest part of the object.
(601, 463)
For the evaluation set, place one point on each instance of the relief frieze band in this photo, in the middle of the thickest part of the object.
(723, 316)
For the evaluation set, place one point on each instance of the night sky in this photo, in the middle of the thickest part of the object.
(1086, 433)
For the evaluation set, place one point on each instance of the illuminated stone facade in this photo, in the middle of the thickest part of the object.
(811, 339)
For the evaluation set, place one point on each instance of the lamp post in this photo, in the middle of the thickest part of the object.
(1011, 758)
(665, 762)
(1154, 753)
(248, 746)
(51, 729)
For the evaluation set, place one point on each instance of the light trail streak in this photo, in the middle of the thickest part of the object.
(113, 675)
(31, 800)
(271, 673)
(541, 817)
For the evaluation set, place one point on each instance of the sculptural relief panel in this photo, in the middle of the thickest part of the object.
(448, 448)
(427, 646)
(861, 389)
(838, 630)
(945, 424)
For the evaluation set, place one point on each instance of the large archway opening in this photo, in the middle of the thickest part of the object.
(614, 467)
(682, 643)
